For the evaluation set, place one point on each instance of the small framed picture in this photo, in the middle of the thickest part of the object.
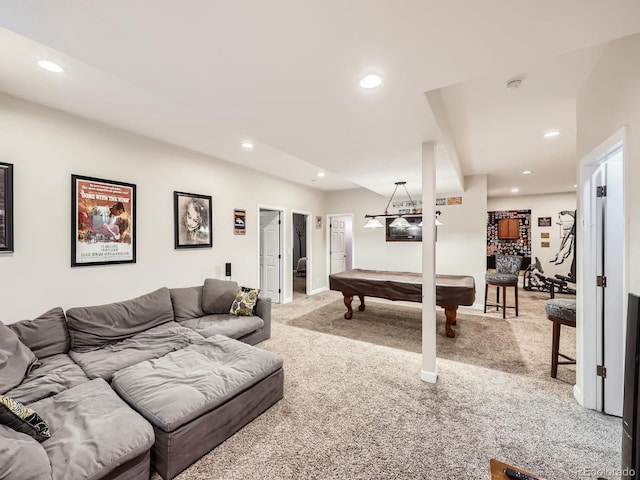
(192, 220)
(103, 221)
(544, 221)
(239, 222)
(318, 221)
(6, 207)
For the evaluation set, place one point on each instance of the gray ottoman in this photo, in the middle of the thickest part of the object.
(199, 396)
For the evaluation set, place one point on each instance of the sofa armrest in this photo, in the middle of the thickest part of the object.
(263, 310)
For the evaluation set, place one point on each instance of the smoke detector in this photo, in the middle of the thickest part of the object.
(515, 83)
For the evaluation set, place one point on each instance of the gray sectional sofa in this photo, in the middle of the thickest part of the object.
(151, 383)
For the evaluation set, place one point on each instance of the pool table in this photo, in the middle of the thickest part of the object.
(451, 290)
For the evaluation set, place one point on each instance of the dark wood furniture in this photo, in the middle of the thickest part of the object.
(497, 470)
(451, 290)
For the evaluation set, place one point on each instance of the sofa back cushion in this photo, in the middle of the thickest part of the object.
(218, 295)
(16, 359)
(187, 303)
(94, 327)
(45, 335)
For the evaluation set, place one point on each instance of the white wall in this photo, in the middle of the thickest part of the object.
(461, 247)
(547, 205)
(47, 146)
(608, 101)
(371, 250)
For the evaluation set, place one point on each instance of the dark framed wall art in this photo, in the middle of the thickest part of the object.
(412, 233)
(6, 207)
(103, 221)
(192, 220)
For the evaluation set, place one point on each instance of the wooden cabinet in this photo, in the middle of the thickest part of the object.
(508, 228)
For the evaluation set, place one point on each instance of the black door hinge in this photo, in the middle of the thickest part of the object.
(601, 281)
(601, 371)
(601, 191)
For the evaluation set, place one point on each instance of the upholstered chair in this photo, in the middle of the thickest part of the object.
(506, 275)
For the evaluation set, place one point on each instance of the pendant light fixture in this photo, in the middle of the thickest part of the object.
(399, 222)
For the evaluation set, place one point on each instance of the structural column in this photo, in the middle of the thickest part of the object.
(429, 372)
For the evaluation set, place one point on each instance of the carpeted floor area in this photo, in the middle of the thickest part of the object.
(355, 407)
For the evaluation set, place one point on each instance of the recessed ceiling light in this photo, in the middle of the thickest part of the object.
(51, 66)
(527, 172)
(247, 144)
(372, 80)
(575, 186)
(515, 190)
(552, 133)
(321, 174)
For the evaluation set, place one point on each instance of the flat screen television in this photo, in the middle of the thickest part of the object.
(631, 405)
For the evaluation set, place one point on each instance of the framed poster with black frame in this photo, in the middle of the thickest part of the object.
(6, 207)
(192, 220)
(412, 233)
(103, 221)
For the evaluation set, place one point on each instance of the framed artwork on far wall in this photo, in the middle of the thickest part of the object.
(192, 220)
(412, 233)
(103, 221)
(6, 207)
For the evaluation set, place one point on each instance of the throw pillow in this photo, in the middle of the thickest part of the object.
(22, 419)
(16, 359)
(245, 302)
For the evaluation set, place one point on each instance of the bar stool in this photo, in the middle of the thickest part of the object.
(506, 275)
(561, 311)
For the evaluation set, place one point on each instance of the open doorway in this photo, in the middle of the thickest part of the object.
(271, 254)
(301, 250)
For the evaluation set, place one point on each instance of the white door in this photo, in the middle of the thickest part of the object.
(270, 254)
(338, 250)
(613, 341)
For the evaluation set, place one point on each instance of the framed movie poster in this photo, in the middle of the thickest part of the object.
(103, 221)
(239, 222)
(6, 207)
(192, 220)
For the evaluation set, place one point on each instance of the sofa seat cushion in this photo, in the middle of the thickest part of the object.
(22, 457)
(173, 390)
(94, 327)
(152, 343)
(93, 431)
(55, 374)
(231, 326)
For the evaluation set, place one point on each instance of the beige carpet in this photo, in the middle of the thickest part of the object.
(355, 407)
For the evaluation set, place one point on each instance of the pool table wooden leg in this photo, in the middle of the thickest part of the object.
(347, 303)
(450, 312)
(362, 306)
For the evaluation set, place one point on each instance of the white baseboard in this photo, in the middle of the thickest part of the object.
(577, 394)
(318, 290)
(429, 377)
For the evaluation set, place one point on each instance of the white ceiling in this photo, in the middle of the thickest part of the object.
(205, 74)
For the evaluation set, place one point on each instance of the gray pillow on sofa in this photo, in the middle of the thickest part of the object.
(45, 335)
(218, 295)
(16, 359)
(94, 327)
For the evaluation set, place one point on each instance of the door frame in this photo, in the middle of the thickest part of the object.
(328, 219)
(308, 244)
(587, 388)
(282, 245)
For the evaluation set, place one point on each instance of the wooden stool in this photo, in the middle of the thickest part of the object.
(561, 311)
